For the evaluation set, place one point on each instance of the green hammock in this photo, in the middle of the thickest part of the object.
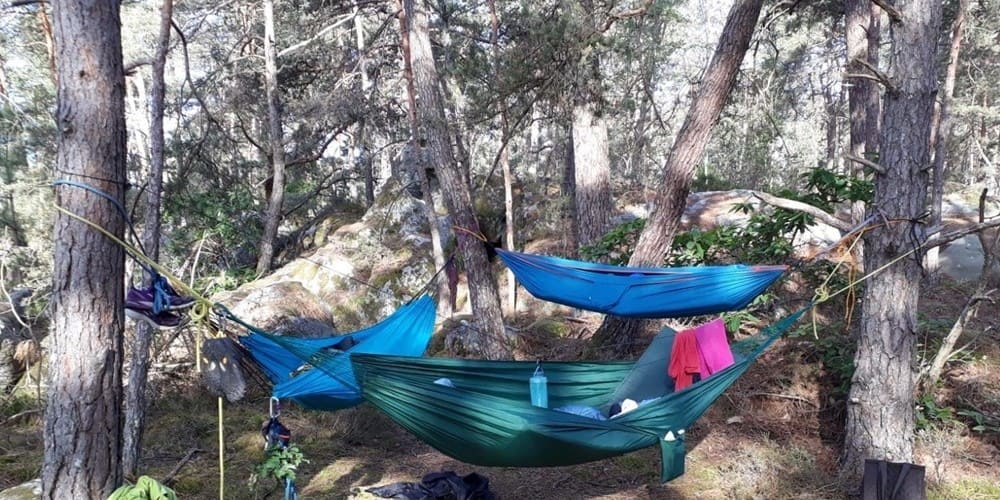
(487, 417)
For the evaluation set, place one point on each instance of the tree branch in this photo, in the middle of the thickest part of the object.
(958, 233)
(798, 206)
(894, 14)
(866, 162)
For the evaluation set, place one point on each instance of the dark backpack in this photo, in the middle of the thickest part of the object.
(893, 481)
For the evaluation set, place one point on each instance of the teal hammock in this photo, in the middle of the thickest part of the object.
(486, 417)
(289, 362)
(640, 292)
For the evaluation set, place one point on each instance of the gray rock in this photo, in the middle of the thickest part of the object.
(31, 490)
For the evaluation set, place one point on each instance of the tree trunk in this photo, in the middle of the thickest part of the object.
(508, 175)
(491, 341)
(862, 23)
(592, 173)
(620, 334)
(592, 166)
(273, 216)
(446, 293)
(135, 392)
(942, 130)
(880, 404)
(83, 429)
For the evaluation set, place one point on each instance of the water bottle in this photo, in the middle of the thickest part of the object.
(539, 388)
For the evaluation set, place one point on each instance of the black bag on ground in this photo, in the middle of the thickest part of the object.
(893, 481)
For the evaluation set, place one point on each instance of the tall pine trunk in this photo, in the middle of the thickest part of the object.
(862, 26)
(942, 130)
(83, 424)
(135, 392)
(272, 218)
(491, 339)
(620, 334)
(445, 292)
(880, 403)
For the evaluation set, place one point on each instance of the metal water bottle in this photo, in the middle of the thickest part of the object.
(539, 388)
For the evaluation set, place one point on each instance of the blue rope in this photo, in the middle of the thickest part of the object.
(121, 211)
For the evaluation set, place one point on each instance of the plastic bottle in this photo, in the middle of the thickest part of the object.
(539, 388)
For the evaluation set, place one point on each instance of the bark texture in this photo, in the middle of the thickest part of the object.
(862, 24)
(135, 393)
(83, 429)
(272, 218)
(942, 129)
(881, 402)
(491, 341)
(720, 76)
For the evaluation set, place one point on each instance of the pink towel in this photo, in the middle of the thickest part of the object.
(714, 353)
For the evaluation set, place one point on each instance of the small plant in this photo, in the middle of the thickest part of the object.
(280, 464)
(982, 423)
(930, 415)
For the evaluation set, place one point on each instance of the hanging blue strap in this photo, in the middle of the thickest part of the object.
(161, 295)
(290, 493)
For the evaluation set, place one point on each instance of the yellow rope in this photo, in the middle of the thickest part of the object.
(198, 312)
(222, 456)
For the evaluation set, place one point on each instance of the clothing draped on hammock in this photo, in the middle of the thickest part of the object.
(699, 352)
(714, 354)
(684, 360)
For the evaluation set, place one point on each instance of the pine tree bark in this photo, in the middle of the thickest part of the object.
(881, 402)
(272, 218)
(492, 340)
(941, 130)
(862, 25)
(135, 392)
(83, 428)
(445, 291)
(508, 174)
(620, 334)
(592, 165)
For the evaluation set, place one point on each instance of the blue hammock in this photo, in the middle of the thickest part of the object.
(405, 333)
(640, 292)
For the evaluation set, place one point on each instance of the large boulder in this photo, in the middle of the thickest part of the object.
(363, 272)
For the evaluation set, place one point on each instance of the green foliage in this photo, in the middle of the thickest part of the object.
(146, 488)
(836, 353)
(826, 188)
(616, 246)
(280, 464)
(982, 423)
(930, 415)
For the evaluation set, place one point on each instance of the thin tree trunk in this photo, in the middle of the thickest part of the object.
(273, 216)
(620, 334)
(971, 308)
(43, 22)
(862, 23)
(135, 393)
(941, 130)
(880, 403)
(83, 421)
(491, 341)
(446, 294)
(508, 176)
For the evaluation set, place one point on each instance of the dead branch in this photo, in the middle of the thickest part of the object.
(866, 162)
(958, 233)
(798, 206)
(169, 478)
(894, 14)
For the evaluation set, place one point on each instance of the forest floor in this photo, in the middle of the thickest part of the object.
(774, 434)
